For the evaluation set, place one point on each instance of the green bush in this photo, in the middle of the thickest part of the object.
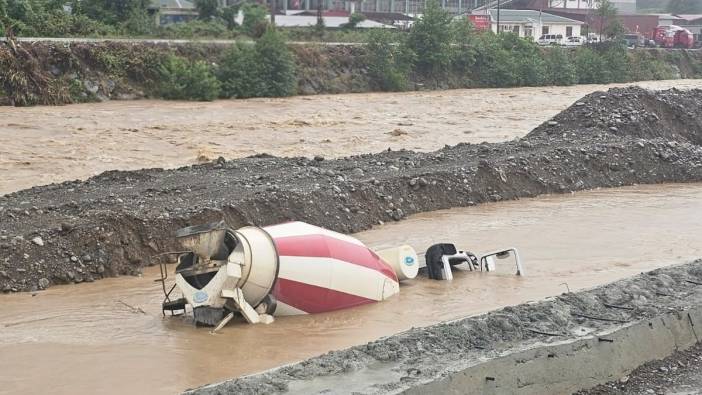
(387, 68)
(238, 72)
(590, 66)
(255, 20)
(464, 51)
(207, 9)
(494, 65)
(560, 70)
(266, 69)
(196, 29)
(277, 65)
(184, 80)
(645, 66)
(354, 20)
(139, 23)
(616, 64)
(529, 64)
(58, 23)
(229, 15)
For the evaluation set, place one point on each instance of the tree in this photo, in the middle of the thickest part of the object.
(529, 64)
(277, 65)
(264, 69)
(685, 7)
(229, 15)
(560, 70)
(464, 49)
(181, 79)
(610, 25)
(319, 26)
(5, 22)
(387, 68)
(430, 40)
(354, 20)
(110, 11)
(207, 9)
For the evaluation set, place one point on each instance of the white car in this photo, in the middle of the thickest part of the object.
(593, 38)
(574, 41)
(551, 39)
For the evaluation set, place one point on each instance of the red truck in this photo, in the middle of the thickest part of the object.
(671, 36)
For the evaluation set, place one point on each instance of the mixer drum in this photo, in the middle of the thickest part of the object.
(286, 269)
(321, 270)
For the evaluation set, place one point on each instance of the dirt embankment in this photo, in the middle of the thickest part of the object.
(424, 355)
(73, 72)
(59, 73)
(112, 223)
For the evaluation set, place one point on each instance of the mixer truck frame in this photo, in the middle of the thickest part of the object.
(296, 268)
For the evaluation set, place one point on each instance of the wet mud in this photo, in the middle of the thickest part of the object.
(110, 337)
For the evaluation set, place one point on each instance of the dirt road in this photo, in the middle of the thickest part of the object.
(94, 337)
(41, 145)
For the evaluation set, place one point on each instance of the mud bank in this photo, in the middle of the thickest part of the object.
(54, 73)
(559, 345)
(112, 223)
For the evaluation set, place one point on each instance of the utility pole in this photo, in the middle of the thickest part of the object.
(498, 16)
(274, 8)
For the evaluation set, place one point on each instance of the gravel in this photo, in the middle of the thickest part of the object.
(680, 373)
(120, 219)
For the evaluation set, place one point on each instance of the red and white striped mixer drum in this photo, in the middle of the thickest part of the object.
(286, 269)
(321, 270)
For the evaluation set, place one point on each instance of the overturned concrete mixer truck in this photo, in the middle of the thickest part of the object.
(297, 268)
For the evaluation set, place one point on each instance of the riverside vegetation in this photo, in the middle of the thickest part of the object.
(438, 52)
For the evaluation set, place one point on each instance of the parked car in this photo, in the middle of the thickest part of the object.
(551, 39)
(574, 41)
(634, 40)
(592, 38)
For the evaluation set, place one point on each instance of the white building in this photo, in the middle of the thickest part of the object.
(534, 24)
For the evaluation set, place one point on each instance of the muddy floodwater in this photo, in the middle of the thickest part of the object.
(41, 145)
(109, 336)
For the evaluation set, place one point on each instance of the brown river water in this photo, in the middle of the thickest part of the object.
(109, 337)
(41, 145)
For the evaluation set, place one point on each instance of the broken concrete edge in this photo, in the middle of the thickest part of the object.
(577, 364)
(678, 373)
(591, 337)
